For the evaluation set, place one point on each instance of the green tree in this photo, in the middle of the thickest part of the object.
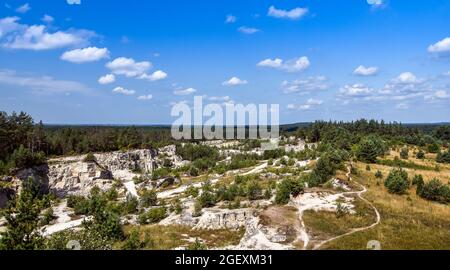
(369, 149)
(23, 221)
(397, 182)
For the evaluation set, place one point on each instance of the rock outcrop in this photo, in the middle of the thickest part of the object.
(73, 176)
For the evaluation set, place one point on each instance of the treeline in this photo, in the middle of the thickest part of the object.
(420, 135)
(24, 143)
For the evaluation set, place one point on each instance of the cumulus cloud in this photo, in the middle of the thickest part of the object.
(230, 19)
(407, 78)
(363, 71)
(248, 30)
(123, 91)
(234, 82)
(14, 35)
(41, 84)
(74, 2)
(441, 47)
(293, 14)
(356, 90)
(128, 67)
(24, 8)
(145, 97)
(293, 65)
(402, 106)
(107, 79)
(155, 76)
(85, 55)
(311, 84)
(185, 92)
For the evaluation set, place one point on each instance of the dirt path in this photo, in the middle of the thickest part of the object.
(359, 194)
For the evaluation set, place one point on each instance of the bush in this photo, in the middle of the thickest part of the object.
(287, 188)
(433, 148)
(192, 191)
(420, 155)
(397, 182)
(193, 171)
(404, 153)
(418, 180)
(207, 198)
(434, 191)
(149, 198)
(130, 206)
(154, 215)
(443, 157)
(90, 158)
(368, 168)
(379, 175)
(253, 190)
(24, 158)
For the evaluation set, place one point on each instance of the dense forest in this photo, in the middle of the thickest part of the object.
(25, 143)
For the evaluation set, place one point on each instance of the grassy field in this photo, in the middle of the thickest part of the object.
(407, 222)
(159, 237)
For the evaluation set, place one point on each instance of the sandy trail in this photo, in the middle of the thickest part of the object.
(256, 169)
(173, 192)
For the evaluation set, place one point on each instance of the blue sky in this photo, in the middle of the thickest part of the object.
(318, 59)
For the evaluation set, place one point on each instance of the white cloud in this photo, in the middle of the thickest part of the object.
(128, 67)
(37, 37)
(376, 3)
(274, 63)
(356, 90)
(442, 46)
(407, 78)
(293, 14)
(309, 105)
(293, 65)
(85, 55)
(363, 71)
(221, 99)
(24, 8)
(123, 91)
(311, 84)
(48, 19)
(230, 19)
(248, 30)
(41, 84)
(107, 79)
(74, 2)
(145, 97)
(155, 76)
(234, 82)
(185, 92)
(441, 94)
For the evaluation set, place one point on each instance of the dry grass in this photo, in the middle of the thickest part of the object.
(170, 237)
(408, 221)
(284, 218)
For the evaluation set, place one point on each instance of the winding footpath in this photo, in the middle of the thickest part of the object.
(359, 194)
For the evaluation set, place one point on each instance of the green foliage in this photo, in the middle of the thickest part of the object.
(253, 190)
(397, 182)
(326, 167)
(192, 191)
(379, 174)
(404, 153)
(369, 149)
(149, 198)
(434, 190)
(160, 173)
(197, 245)
(274, 154)
(194, 152)
(22, 221)
(88, 240)
(154, 215)
(193, 171)
(47, 217)
(90, 158)
(420, 155)
(130, 205)
(443, 157)
(434, 148)
(286, 188)
(208, 197)
(418, 180)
